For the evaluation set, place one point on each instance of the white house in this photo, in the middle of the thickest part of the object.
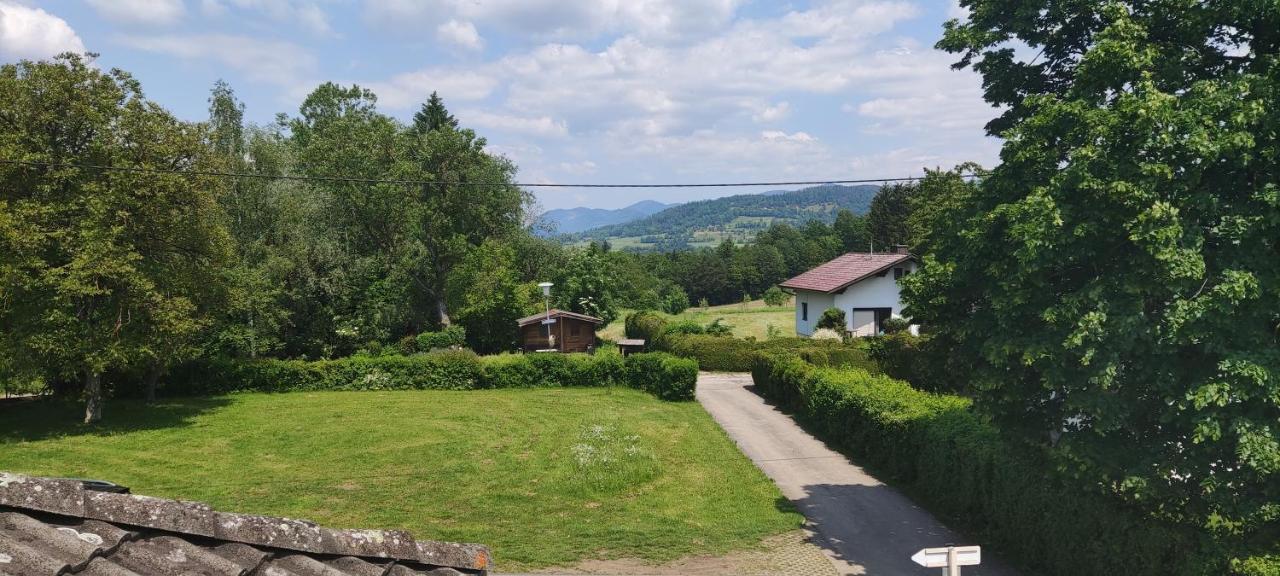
(864, 285)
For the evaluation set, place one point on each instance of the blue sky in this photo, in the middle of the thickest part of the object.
(606, 91)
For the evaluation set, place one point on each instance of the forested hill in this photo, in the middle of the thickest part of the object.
(572, 220)
(740, 218)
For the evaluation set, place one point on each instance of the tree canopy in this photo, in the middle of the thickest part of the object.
(1116, 280)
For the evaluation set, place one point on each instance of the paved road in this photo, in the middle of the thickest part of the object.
(864, 526)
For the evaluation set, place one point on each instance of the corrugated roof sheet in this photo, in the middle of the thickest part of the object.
(55, 526)
(557, 313)
(844, 271)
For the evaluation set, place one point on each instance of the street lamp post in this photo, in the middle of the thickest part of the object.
(546, 299)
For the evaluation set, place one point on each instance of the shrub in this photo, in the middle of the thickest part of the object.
(895, 324)
(961, 467)
(683, 327)
(452, 336)
(775, 297)
(644, 324)
(663, 375)
(922, 361)
(674, 300)
(833, 319)
(717, 327)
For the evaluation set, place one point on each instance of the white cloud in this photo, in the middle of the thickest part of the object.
(534, 126)
(264, 61)
(33, 33)
(778, 135)
(408, 90)
(773, 113)
(144, 12)
(462, 34)
(541, 20)
(582, 168)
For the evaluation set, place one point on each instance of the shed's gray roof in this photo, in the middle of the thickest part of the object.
(57, 526)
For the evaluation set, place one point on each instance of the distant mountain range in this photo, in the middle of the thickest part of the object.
(574, 220)
(738, 218)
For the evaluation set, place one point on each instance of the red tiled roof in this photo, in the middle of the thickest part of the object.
(844, 271)
(557, 313)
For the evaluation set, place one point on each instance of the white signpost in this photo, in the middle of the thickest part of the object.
(951, 558)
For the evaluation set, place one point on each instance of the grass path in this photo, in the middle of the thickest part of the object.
(544, 477)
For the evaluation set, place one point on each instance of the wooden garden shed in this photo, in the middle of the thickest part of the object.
(573, 332)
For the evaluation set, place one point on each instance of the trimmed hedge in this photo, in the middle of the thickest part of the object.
(727, 354)
(1006, 493)
(665, 376)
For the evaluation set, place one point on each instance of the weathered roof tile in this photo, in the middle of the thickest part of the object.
(129, 535)
(843, 271)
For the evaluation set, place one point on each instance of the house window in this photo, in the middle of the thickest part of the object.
(804, 311)
(898, 273)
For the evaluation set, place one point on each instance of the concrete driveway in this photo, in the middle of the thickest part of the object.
(864, 526)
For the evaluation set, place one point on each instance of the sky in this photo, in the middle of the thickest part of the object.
(603, 91)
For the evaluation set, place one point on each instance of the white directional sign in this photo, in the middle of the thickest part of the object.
(549, 321)
(949, 557)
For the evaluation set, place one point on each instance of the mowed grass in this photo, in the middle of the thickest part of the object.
(753, 319)
(544, 477)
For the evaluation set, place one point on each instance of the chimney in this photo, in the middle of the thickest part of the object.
(900, 249)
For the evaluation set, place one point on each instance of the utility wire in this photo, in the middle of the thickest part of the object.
(342, 179)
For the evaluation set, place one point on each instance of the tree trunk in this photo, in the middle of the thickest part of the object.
(93, 397)
(153, 375)
(443, 310)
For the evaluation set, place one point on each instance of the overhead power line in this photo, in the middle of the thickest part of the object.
(348, 180)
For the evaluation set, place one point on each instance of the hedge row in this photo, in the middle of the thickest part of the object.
(728, 354)
(958, 464)
(663, 375)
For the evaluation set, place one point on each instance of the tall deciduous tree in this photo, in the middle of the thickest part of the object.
(487, 297)
(101, 270)
(1117, 278)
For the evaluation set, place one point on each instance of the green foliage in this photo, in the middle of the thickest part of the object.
(101, 271)
(674, 300)
(895, 325)
(450, 337)
(1116, 281)
(718, 327)
(663, 375)
(1008, 495)
(587, 284)
(644, 325)
(683, 327)
(853, 231)
(775, 297)
(434, 116)
(833, 319)
(487, 297)
(890, 212)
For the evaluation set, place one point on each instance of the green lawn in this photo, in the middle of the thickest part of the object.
(545, 477)
(752, 320)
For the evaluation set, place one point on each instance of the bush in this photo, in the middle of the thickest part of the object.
(663, 375)
(775, 297)
(674, 300)
(644, 324)
(833, 319)
(922, 361)
(683, 327)
(717, 327)
(1008, 494)
(895, 325)
(453, 336)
